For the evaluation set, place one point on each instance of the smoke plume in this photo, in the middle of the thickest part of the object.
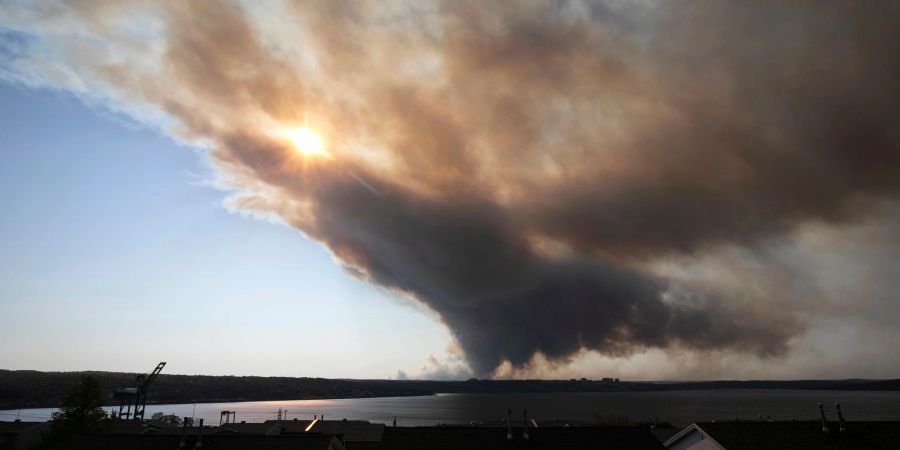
(522, 168)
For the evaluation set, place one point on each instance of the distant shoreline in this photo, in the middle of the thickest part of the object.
(35, 389)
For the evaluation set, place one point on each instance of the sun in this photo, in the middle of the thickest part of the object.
(307, 142)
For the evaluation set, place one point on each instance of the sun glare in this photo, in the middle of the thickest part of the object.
(307, 142)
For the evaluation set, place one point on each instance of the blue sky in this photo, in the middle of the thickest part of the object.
(116, 254)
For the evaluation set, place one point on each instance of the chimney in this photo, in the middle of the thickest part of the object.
(199, 443)
(508, 424)
(840, 417)
(183, 433)
(525, 424)
(824, 422)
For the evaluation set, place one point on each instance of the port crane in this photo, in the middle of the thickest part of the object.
(136, 397)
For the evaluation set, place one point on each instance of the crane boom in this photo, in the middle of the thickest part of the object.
(136, 397)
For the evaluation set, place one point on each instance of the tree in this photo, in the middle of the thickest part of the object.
(167, 418)
(81, 411)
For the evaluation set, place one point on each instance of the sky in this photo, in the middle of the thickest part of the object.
(117, 253)
(395, 189)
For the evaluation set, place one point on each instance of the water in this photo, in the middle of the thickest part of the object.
(677, 407)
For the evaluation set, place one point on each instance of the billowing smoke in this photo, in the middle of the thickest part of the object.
(520, 168)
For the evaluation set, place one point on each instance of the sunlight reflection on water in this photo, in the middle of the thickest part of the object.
(678, 407)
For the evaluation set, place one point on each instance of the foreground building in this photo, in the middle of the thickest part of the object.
(20, 435)
(788, 435)
(362, 435)
(207, 442)
(491, 438)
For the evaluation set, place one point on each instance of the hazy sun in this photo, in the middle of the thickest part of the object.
(307, 142)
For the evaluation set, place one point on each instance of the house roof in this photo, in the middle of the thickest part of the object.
(19, 427)
(210, 442)
(248, 428)
(477, 438)
(799, 435)
(143, 427)
(349, 430)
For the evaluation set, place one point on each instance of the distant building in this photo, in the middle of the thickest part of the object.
(21, 435)
(788, 435)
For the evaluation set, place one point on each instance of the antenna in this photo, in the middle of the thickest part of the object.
(525, 424)
(199, 443)
(184, 426)
(824, 422)
(840, 418)
(509, 425)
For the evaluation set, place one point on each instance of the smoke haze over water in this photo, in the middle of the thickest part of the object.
(551, 179)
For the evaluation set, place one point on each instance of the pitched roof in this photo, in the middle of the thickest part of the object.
(270, 429)
(802, 435)
(210, 442)
(349, 430)
(18, 427)
(478, 438)
(143, 427)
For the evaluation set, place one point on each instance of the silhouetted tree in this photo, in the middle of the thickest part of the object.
(81, 412)
(167, 418)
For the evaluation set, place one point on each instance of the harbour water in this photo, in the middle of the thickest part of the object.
(676, 407)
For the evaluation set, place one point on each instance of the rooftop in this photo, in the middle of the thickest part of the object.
(477, 438)
(210, 442)
(349, 430)
(18, 427)
(800, 435)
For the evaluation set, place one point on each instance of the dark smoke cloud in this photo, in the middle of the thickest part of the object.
(776, 116)
(467, 260)
(520, 168)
